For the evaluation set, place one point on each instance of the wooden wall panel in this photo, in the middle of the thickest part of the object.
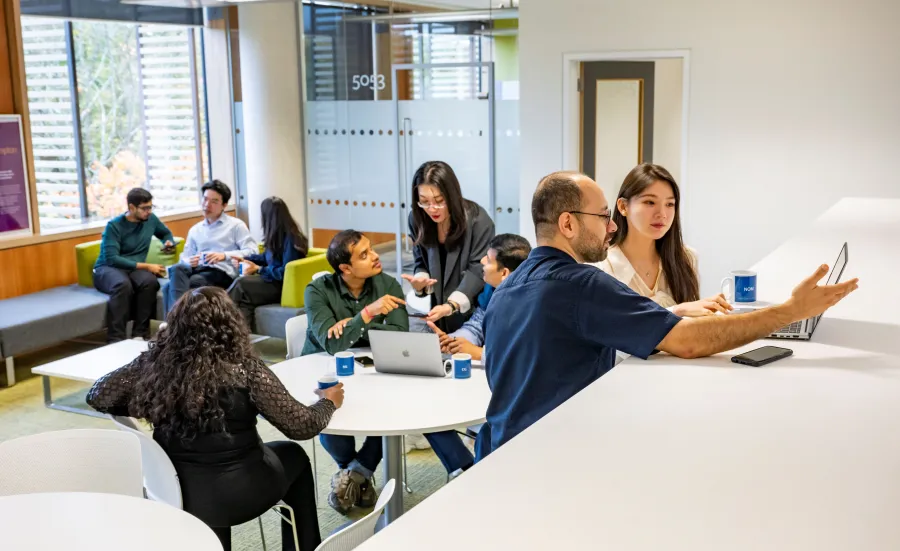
(34, 268)
(6, 81)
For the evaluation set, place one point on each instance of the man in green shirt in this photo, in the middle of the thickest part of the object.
(121, 270)
(342, 308)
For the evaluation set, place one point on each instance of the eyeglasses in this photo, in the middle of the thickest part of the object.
(426, 206)
(148, 208)
(608, 215)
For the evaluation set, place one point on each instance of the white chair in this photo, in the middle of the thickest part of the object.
(295, 335)
(160, 478)
(357, 533)
(79, 460)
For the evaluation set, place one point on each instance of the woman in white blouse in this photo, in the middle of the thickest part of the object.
(647, 252)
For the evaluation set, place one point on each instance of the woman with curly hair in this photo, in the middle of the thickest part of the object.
(201, 386)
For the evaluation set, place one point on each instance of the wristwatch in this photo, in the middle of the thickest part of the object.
(453, 306)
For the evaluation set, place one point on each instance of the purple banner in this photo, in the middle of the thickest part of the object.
(14, 215)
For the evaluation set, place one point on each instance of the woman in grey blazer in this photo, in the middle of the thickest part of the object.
(451, 236)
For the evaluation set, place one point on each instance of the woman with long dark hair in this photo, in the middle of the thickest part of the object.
(262, 275)
(201, 387)
(451, 235)
(647, 252)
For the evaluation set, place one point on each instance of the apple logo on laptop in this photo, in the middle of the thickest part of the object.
(405, 353)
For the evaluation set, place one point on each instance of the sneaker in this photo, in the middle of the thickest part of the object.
(416, 442)
(367, 494)
(345, 490)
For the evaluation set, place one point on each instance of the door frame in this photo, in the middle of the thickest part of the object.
(571, 100)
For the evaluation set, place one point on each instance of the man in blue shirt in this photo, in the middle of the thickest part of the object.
(505, 253)
(121, 270)
(210, 245)
(555, 324)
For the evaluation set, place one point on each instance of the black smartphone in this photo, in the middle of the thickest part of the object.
(366, 361)
(422, 315)
(762, 356)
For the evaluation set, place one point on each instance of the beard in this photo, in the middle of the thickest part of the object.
(591, 247)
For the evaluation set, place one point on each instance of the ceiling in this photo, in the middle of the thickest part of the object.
(446, 4)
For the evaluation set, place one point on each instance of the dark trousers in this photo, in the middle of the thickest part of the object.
(446, 445)
(251, 291)
(184, 278)
(300, 496)
(132, 295)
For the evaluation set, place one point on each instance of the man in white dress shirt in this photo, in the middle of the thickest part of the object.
(206, 260)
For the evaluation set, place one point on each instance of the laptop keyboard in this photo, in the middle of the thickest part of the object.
(792, 328)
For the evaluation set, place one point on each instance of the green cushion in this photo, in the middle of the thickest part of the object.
(86, 255)
(299, 273)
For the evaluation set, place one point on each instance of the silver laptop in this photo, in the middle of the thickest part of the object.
(407, 353)
(803, 329)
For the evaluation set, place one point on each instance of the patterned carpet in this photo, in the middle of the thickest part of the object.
(22, 412)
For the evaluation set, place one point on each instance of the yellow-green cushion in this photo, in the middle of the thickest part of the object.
(86, 255)
(299, 273)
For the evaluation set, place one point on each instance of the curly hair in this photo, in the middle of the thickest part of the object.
(192, 360)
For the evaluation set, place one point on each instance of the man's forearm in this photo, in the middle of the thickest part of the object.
(700, 337)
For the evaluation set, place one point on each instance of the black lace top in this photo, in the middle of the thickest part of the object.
(259, 391)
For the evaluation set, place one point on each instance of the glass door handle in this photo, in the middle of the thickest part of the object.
(405, 175)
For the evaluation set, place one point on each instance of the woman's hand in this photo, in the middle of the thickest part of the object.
(249, 268)
(236, 260)
(419, 282)
(438, 312)
(703, 307)
(334, 393)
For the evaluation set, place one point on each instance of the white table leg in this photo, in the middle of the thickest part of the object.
(10, 372)
(393, 470)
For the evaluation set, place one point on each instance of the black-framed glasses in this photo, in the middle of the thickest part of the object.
(147, 208)
(608, 215)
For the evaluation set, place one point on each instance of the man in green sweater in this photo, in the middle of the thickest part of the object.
(121, 270)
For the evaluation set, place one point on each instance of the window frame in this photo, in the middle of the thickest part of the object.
(200, 126)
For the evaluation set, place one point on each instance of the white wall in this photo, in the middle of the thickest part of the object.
(792, 105)
(667, 114)
(273, 126)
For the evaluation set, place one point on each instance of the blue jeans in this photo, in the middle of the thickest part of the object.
(343, 450)
(450, 450)
(447, 446)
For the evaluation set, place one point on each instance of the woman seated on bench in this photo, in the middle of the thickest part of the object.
(262, 275)
(201, 386)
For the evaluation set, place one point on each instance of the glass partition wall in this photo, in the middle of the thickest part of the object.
(388, 88)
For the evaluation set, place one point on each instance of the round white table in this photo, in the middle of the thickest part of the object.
(379, 404)
(81, 521)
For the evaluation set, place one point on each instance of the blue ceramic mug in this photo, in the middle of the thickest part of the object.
(743, 286)
(462, 365)
(327, 381)
(344, 363)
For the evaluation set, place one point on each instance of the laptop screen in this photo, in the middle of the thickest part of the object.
(838, 269)
(835, 276)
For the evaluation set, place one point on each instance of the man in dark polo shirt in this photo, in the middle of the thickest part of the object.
(342, 308)
(553, 327)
